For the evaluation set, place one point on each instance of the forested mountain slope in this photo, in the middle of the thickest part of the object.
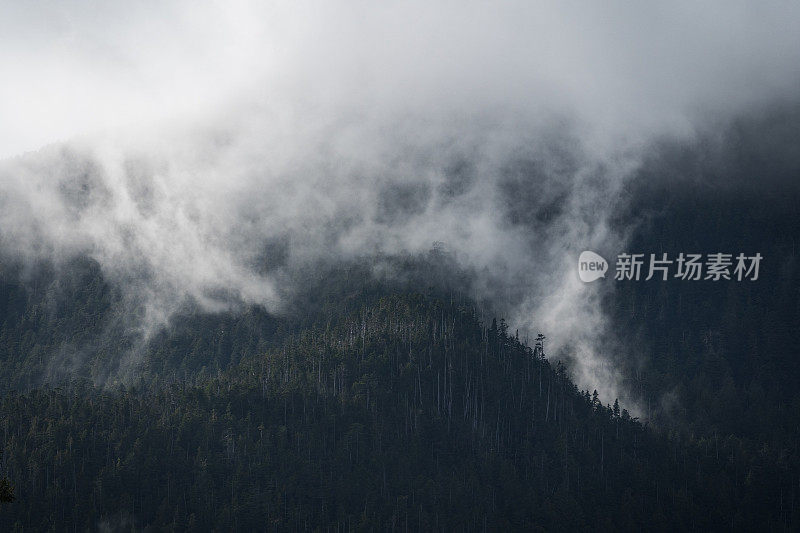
(67, 320)
(719, 359)
(405, 412)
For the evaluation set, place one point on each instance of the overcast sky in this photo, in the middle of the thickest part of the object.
(71, 67)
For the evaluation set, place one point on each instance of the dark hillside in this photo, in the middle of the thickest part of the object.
(405, 413)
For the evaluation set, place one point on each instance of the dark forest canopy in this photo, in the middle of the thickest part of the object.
(406, 411)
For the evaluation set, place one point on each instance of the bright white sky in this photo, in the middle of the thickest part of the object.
(74, 67)
(70, 67)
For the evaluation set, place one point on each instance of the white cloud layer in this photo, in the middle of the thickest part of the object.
(185, 136)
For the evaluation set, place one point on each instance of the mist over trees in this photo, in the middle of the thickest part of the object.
(275, 266)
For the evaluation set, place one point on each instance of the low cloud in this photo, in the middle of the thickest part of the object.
(186, 143)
